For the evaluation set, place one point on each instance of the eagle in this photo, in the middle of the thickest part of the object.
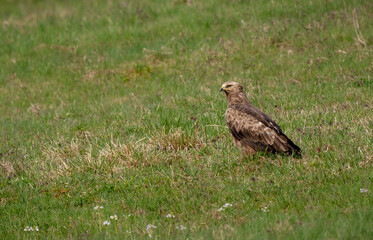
(252, 130)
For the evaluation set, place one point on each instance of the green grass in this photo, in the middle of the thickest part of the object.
(117, 104)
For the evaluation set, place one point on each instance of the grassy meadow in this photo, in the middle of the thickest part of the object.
(112, 123)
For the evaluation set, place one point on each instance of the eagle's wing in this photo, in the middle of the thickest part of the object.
(250, 126)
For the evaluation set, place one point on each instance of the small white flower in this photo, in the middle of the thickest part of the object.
(181, 227)
(126, 216)
(115, 217)
(150, 226)
(170, 216)
(149, 229)
(265, 209)
(363, 190)
(98, 207)
(31, 229)
(106, 222)
(227, 205)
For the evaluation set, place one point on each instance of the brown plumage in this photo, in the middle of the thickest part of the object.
(252, 130)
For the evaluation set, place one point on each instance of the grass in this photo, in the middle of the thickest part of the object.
(117, 104)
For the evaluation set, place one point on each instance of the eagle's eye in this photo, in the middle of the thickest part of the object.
(228, 86)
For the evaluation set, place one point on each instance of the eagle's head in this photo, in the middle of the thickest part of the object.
(231, 87)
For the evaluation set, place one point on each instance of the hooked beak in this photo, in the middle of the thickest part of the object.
(221, 89)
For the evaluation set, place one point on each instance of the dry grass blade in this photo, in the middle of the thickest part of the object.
(359, 35)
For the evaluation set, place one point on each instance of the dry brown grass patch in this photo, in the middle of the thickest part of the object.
(175, 140)
(7, 169)
(82, 153)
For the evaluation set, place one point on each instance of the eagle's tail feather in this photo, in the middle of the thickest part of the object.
(294, 149)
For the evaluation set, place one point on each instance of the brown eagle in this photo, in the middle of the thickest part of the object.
(252, 130)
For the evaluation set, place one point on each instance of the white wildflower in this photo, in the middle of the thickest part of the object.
(150, 226)
(106, 222)
(149, 229)
(170, 216)
(115, 217)
(31, 229)
(363, 190)
(98, 207)
(181, 227)
(227, 205)
(265, 209)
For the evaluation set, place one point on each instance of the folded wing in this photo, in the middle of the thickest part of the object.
(253, 128)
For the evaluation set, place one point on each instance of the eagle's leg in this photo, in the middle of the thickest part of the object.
(246, 150)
